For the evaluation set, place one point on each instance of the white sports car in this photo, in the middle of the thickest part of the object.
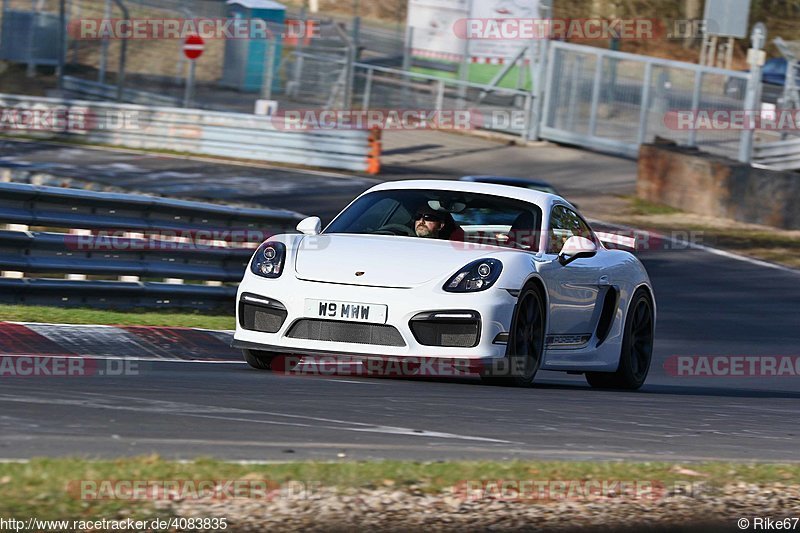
(508, 279)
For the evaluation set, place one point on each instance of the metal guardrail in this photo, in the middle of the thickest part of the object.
(197, 131)
(105, 91)
(151, 245)
(778, 155)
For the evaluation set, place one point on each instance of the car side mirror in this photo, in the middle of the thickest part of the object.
(575, 248)
(310, 226)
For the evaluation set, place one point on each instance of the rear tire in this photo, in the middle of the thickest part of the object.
(525, 343)
(637, 348)
(257, 359)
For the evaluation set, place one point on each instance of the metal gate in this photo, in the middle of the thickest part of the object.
(615, 101)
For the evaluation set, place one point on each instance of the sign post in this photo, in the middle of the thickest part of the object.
(752, 98)
(193, 48)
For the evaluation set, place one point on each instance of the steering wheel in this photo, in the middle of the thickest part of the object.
(395, 229)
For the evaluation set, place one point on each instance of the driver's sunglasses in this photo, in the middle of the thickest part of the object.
(427, 217)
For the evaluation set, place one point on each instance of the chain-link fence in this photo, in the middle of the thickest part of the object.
(319, 72)
(308, 68)
(593, 97)
(488, 107)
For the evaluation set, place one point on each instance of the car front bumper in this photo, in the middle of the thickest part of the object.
(494, 306)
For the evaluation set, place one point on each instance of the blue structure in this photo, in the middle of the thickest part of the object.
(245, 59)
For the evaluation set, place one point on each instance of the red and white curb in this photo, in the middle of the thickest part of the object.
(129, 342)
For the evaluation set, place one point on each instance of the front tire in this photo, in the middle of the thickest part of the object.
(525, 344)
(258, 360)
(637, 348)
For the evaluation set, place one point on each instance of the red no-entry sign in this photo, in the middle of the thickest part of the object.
(193, 46)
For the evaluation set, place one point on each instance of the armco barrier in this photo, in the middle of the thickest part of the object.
(778, 155)
(150, 245)
(198, 131)
(104, 91)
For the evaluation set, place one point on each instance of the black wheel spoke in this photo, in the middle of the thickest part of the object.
(641, 339)
(641, 312)
(524, 348)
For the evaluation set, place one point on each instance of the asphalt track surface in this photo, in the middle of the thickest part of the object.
(707, 304)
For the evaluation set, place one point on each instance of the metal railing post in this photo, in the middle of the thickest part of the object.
(541, 85)
(698, 85)
(598, 77)
(123, 49)
(269, 69)
(292, 87)
(463, 69)
(367, 89)
(351, 72)
(440, 96)
(544, 106)
(101, 75)
(349, 66)
(408, 48)
(644, 106)
(575, 80)
(528, 109)
(752, 100)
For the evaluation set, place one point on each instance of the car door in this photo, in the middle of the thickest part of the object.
(573, 289)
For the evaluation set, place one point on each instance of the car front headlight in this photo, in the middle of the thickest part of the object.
(268, 260)
(476, 276)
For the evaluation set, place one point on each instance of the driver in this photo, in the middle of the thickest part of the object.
(428, 222)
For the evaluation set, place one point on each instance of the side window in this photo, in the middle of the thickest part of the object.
(564, 223)
(374, 216)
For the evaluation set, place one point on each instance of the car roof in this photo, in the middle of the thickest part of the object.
(507, 179)
(540, 198)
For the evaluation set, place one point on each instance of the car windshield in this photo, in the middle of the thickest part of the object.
(457, 216)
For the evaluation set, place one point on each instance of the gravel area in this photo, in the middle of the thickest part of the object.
(702, 508)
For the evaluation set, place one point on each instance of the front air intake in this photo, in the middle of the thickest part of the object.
(454, 329)
(257, 313)
(336, 331)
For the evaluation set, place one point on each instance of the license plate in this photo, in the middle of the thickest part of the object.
(348, 311)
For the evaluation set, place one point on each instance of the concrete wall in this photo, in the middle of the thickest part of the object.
(693, 181)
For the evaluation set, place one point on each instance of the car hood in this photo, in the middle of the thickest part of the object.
(386, 261)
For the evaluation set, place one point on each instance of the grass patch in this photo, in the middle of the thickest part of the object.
(761, 242)
(639, 207)
(69, 315)
(50, 488)
(482, 74)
